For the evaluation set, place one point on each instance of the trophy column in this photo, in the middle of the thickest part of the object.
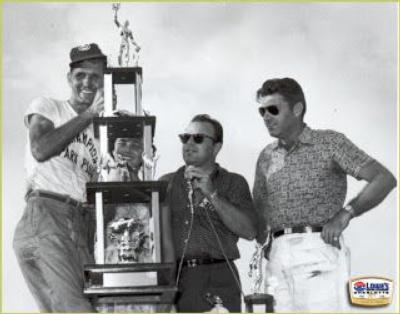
(129, 274)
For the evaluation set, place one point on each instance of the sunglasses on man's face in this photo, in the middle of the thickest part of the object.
(197, 138)
(272, 110)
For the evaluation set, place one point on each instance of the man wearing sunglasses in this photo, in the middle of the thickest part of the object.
(299, 190)
(210, 209)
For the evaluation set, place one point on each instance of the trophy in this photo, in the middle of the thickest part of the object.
(256, 273)
(126, 40)
(256, 269)
(130, 272)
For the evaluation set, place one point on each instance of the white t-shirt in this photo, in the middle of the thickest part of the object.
(68, 172)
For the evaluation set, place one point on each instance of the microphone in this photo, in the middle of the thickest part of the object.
(190, 193)
(189, 185)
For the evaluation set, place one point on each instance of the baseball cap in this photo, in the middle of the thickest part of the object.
(86, 52)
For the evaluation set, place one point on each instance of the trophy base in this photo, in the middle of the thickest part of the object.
(139, 299)
(259, 299)
(131, 287)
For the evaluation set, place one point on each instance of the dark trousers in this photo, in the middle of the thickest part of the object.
(216, 279)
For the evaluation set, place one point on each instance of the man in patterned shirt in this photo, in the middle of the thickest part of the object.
(300, 188)
(210, 208)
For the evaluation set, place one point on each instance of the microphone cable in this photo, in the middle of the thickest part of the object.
(191, 205)
(222, 249)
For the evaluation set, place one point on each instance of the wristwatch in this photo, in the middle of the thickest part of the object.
(348, 208)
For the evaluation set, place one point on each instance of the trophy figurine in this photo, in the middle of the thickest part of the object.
(126, 39)
(128, 236)
(150, 163)
(113, 169)
(256, 273)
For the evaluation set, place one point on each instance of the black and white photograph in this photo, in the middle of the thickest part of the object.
(200, 157)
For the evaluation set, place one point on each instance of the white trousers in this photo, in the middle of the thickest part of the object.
(307, 275)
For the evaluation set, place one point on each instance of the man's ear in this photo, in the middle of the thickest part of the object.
(69, 77)
(217, 148)
(298, 109)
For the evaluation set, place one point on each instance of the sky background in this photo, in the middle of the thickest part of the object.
(211, 58)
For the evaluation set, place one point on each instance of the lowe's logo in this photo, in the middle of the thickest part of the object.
(371, 291)
(361, 287)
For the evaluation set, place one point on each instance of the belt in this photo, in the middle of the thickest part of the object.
(193, 262)
(306, 229)
(54, 196)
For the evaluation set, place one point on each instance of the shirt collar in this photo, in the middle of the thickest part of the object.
(305, 137)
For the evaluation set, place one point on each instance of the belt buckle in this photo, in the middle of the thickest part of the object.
(191, 263)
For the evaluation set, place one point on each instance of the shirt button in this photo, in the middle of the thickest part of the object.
(186, 222)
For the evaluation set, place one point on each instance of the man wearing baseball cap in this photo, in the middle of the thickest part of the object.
(51, 239)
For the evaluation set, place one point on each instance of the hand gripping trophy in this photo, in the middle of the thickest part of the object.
(126, 40)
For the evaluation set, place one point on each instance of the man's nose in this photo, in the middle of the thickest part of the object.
(268, 117)
(86, 80)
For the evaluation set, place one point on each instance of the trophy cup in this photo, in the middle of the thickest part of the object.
(256, 273)
(129, 274)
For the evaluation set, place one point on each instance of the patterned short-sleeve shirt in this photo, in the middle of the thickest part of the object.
(306, 185)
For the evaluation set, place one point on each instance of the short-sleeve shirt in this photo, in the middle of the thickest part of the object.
(306, 185)
(203, 242)
(69, 171)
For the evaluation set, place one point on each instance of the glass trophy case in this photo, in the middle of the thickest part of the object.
(129, 273)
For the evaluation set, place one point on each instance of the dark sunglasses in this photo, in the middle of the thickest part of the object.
(197, 138)
(273, 110)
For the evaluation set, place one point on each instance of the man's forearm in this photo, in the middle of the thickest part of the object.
(54, 141)
(373, 193)
(262, 230)
(240, 223)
